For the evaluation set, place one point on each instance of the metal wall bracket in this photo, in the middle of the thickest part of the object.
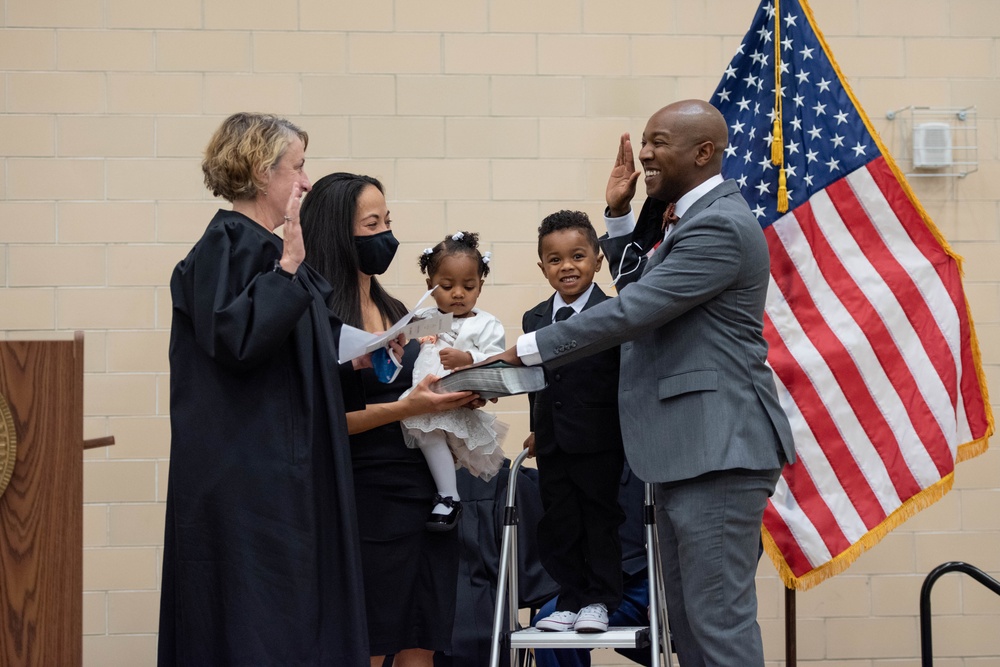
(937, 141)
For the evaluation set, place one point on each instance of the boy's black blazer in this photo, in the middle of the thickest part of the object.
(578, 411)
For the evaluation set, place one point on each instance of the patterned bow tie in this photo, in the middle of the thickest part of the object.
(668, 216)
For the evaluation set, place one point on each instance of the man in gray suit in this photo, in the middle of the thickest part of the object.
(699, 411)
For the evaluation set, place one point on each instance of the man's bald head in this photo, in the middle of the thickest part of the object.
(699, 121)
(683, 146)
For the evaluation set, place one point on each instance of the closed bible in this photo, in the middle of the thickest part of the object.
(493, 380)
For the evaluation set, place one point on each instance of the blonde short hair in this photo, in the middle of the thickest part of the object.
(244, 147)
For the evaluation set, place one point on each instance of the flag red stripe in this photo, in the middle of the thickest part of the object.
(871, 324)
(794, 556)
(847, 376)
(947, 270)
(821, 424)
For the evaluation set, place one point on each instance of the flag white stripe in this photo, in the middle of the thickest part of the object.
(964, 429)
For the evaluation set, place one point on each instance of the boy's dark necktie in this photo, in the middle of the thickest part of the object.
(564, 313)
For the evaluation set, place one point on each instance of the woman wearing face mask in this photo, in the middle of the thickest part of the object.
(410, 573)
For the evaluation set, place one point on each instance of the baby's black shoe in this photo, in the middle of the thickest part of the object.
(439, 522)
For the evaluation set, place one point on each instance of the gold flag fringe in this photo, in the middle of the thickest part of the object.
(842, 561)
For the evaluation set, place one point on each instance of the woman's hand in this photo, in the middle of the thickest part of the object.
(529, 444)
(423, 399)
(364, 361)
(452, 358)
(396, 346)
(295, 250)
(420, 401)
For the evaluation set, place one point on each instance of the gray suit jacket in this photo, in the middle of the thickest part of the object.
(695, 393)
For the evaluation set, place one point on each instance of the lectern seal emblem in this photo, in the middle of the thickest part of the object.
(8, 444)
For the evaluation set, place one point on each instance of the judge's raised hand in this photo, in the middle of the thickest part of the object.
(295, 250)
(621, 182)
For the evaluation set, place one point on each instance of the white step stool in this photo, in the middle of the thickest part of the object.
(633, 637)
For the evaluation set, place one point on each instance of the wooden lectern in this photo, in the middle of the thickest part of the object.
(41, 510)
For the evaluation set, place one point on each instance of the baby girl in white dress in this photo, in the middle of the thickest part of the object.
(470, 438)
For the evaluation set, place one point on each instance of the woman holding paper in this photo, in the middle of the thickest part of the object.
(410, 574)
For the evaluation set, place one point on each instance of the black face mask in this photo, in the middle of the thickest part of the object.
(375, 252)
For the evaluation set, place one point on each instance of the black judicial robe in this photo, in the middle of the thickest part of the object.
(261, 563)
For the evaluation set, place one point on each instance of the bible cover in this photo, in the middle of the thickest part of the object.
(493, 380)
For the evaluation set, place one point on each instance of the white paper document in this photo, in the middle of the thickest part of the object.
(355, 342)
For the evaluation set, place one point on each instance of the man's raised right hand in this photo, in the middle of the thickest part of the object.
(621, 182)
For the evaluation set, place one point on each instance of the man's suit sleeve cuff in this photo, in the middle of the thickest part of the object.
(527, 350)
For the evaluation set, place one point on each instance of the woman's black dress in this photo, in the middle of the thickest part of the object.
(410, 574)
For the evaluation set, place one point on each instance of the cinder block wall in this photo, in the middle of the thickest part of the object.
(477, 114)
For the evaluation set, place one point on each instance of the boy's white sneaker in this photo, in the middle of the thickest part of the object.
(558, 621)
(592, 618)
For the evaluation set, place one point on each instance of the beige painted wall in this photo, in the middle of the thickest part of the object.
(478, 114)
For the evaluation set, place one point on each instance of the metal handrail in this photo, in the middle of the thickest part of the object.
(507, 575)
(926, 649)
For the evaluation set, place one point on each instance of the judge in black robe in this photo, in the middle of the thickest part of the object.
(261, 564)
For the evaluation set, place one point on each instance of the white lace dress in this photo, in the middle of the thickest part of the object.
(474, 436)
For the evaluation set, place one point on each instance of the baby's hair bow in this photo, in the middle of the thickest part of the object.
(428, 251)
(487, 256)
(457, 236)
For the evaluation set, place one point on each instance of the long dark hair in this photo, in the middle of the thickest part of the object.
(327, 218)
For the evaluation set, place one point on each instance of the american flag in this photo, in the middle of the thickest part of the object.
(871, 341)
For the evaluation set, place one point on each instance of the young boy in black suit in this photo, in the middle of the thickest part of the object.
(577, 440)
